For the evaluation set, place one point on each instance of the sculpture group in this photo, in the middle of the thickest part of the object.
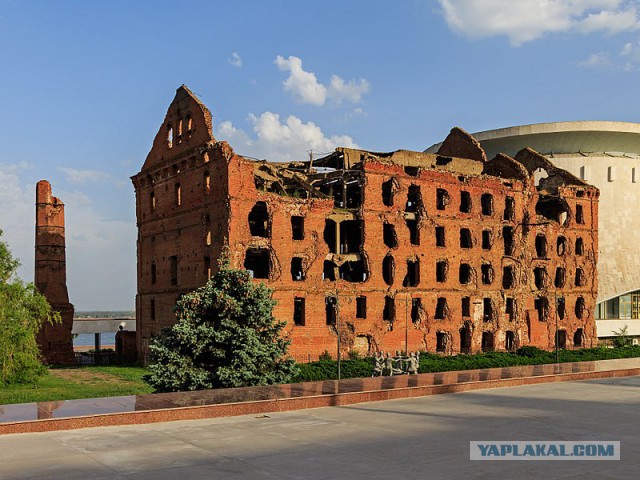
(386, 365)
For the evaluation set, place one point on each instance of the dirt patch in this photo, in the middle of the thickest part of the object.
(86, 377)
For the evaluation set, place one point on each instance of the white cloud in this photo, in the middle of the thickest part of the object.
(280, 140)
(235, 60)
(305, 87)
(527, 20)
(600, 60)
(80, 177)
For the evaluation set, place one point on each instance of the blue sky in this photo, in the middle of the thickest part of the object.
(85, 86)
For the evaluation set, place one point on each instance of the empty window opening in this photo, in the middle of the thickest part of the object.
(442, 160)
(353, 271)
(552, 208)
(414, 199)
(189, 124)
(353, 193)
(580, 307)
(486, 201)
(207, 230)
(152, 309)
(560, 278)
(257, 261)
(541, 246)
(414, 232)
(389, 189)
(465, 339)
(442, 268)
(389, 235)
(169, 136)
(487, 239)
(541, 305)
(507, 237)
(361, 307)
(329, 271)
(412, 171)
(330, 234)
(510, 309)
(350, 236)
(297, 228)
(577, 337)
(154, 273)
(178, 194)
(579, 246)
(152, 201)
(509, 208)
(579, 214)
(297, 269)
(388, 269)
(465, 202)
(561, 339)
(441, 308)
(487, 274)
(416, 309)
(487, 341)
(331, 310)
(207, 268)
(561, 246)
(560, 308)
(440, 240)
(509, 340)
(441, 341)
(540, 277)
(207, 181)
(487, 310)
(465, 305)
(508, 277)
(259, 220)
(413, 273)
(465, 274)
(442, 199)
(299, 311)
(465, 238)
(173, 270)
(389, 311)
(580, 279)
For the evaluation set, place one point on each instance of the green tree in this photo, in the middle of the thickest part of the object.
(23, 311)
(225, 336)
(622, 338)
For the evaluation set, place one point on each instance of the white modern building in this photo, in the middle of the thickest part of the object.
(607, 155)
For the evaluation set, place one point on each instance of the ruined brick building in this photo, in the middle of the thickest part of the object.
(50, 277)
(445, 252)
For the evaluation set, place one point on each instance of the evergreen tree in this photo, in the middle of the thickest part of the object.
(225, 336)
(23, 311)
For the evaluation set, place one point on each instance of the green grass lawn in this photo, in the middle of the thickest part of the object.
(85, 382)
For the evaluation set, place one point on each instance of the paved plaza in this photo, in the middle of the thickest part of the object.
(425, 437)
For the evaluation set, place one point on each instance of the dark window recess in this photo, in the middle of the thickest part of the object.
(440, 240)
(507, 237)
(465, 238)
(510, 309)
(508, 278)
(560, 279)
(465, 274)
(579, 215)
(350, 236)
(389, 189)
(488, 313)
(259, 220)
(465, 339)
(414, 199)
(207, 268)
(442, 199)
(441, 308)
(152, 200)
(561, 246)
(487, 274)
(173, 270)
(509, 208)
(561, 309)
(510, 340)
(355, 271)
(487, 342)
(540, 277)
(416, 307)
(441, 341)
(353, 192)
(580, 307)
(389, 235)
(154, 275)
(541, 246)
(553, 208)
(465, 202)
(178, 194)
(442, 267)
(389, 311)
(388, 269)
(486, 201)
(579, 246)
(257, 261)
(541, 306)
(487, 239)
(297, 269)
(466, 306)
(561, 339)
(331, 310)
(297, 228)
(577, 337)
(298, 311)
(152, 309)
(442, 160)
(414, 232)
(329, 271)
(413, 274)
(412, 171)
(329, 235)
(361, 307)
(580, 277)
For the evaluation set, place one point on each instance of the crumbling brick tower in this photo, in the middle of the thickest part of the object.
(446, 252)
(50, 278)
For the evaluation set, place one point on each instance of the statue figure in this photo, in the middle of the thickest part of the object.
(412, 364)
(378, 365)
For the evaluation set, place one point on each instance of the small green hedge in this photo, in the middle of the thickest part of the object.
(429, 362)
